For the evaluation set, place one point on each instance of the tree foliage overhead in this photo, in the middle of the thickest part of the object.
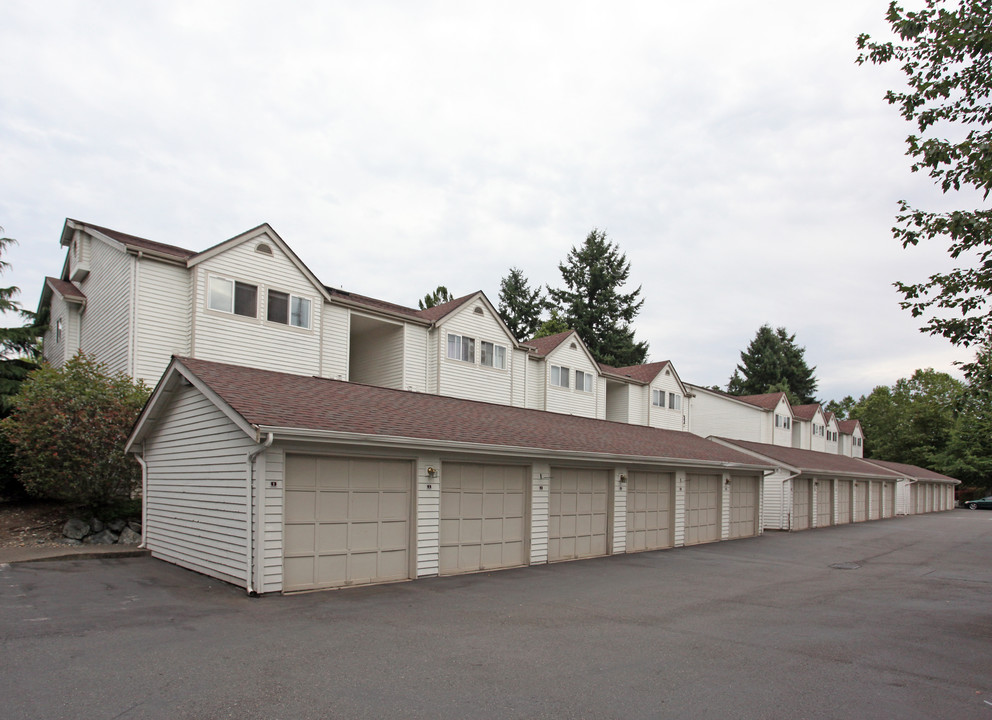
(773, 362)
(591, 302)
(519, 305)
(945, 51)
(552, 326)
(438, 297)
(68, 428)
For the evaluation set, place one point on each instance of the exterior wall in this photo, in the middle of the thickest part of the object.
(600, 398)
(802, 434)
(903, 499)
(196, 505)
(858, 447)
(377, 357)
(776, 494)
(618, 544)
(162, 317)
(818, 442)
(270, 468)
(781, 436)
(428, 502)
(473, 381)
(569, 400)
(678, 521)
(831, 446)
(335, 341)
(539, 510)
(520, 366)
(537, 374)
(56, 352)
(256, 342)
(664, 417)
(618, 403)
(721, 417)
(105, 327)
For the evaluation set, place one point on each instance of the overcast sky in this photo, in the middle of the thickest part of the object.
(735, 152)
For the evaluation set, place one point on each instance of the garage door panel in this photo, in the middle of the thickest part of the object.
(299, 538)
(363, 504)
(330, 537)
(493, 505)
(299, 506)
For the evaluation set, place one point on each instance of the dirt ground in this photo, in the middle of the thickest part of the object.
(32, 523)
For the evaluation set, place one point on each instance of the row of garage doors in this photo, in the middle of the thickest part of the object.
(350, 520)
(855, 502)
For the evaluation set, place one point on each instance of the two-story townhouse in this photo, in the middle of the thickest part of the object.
(832, 445)
(852, 438)
(564, 376)
(809, 427)
(651, 394)
(763, 418)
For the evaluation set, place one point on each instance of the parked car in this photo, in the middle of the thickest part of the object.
(984, 504)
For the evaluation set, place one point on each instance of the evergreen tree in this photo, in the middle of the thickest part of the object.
(552, 326)
(774, 363)
(438, 297)
(519, 306)
(591, 302)
(841, 408)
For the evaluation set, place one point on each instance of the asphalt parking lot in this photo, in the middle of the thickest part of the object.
(759, 628)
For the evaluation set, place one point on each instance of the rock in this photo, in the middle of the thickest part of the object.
(70, 541)
(75, 529)
(104, 537)
(116, 525)
(96, 526)
(134, 525)
(129, 537)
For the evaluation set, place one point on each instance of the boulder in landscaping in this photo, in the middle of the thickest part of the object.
(75, 529)
(128, 537)
(104, 537)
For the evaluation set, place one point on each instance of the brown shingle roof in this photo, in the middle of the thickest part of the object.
(543, 345)
(65, 288)
(641, 373)
(439, 311)
(768, 401)
(811, 461)
(847, 426)
(805, 412)
(277, 400)
(141, 243)
(911, 471)
(372, 303)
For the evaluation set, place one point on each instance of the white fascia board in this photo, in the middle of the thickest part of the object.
(446, 446)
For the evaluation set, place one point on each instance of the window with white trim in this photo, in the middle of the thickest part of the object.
(287, 309)
(231, 296)
(559, 376)
(492, 355)
(583, 381)
(658, 398)
(674, 401)
(58, 330)
(461, 348)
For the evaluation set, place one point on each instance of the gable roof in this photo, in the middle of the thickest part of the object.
(433, 314)
(66, 289)
(543, 345)
(294, 405)
(129, 241)
(914, 472)
(849, 426)
(830, 418)
(810, 462)
(639, 373)
(766, 401)
(373, 304)
(806, 412)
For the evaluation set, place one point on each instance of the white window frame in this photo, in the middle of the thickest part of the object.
(583, 381)
(658, 398)
(291, 301)
(214, 281)
(492, 355)
(557, 371)
(674, 401)
(463, 347)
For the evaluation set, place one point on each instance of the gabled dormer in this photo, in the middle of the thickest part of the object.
(852, 438)
(778, 417)
(565, 376)
(832, 444)
(649, 394)
(809, 430)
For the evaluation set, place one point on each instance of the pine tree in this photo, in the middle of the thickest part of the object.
(438, 297)
(774, 363)
(591, 302)
(519, 306)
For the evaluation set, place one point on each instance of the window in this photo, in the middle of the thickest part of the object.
(461, 348)
(559, 376)
(658, 398)
(493, 355)
(230, 296)
(583, 381)
(288, 309)
(58, 330)
(786, 422)
(674, 401)
(778, 420)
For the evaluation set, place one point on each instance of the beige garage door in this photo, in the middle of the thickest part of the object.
(800, 504)
(702, 509)
(649, 511)
(860, 501)
(843, 502)
(347, 521)
(578, 511)
(889, 500)
(824, 503)
(743, 506)
(482, 517)
(875, 511)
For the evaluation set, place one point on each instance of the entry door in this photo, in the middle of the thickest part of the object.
(346, 521)
(578, 513)
(702, 509)
(649, 511)
(483, 523)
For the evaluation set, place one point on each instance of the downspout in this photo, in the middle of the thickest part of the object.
(143, 545)
(250, 513)
(789, 514)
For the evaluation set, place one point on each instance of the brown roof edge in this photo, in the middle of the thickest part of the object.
(133, 241)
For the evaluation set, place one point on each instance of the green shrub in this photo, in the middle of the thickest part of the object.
(68, 428)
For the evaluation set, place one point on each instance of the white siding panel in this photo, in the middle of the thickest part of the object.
(776, 501)
(256, 342)
(196, 508)
(665, 417)
(272, 521)
(539, 508)
(519, 394)
(428, 517)
(415, 358)
(162, 317)
(618, 403)
(471, 380)
(106, 322)
(536, 384)
(335, 329)
(55, 351)
(713, 415)
(569, 400)
(376, 356)
(619, 544)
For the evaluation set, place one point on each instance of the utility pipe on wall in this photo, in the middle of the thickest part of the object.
(250, 513)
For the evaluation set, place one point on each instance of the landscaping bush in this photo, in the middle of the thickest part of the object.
(68, 428)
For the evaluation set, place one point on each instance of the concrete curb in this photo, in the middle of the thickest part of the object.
(11, 556)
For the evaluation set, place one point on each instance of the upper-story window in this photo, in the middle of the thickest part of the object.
(559, 376)
(232, 297)
(493, 355)
(658, 398)
(583, 381)
(58, 330)
(674, 401)
(461, 348)
(782, 421)
(831, 436)
(288, 309)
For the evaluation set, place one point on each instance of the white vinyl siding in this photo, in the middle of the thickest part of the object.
(105, 326)
(519, 367)
(335, 341)
(55, 350)
(618, 402)
(415, 341)
(471, 380)
(254, 341)
(537, 371)
(568, 399)
(377, 356)
(665, 389)
(776, 500)
(723, 417)
(782, 424)
(163, 317)
(196, 505)
(272, 517)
